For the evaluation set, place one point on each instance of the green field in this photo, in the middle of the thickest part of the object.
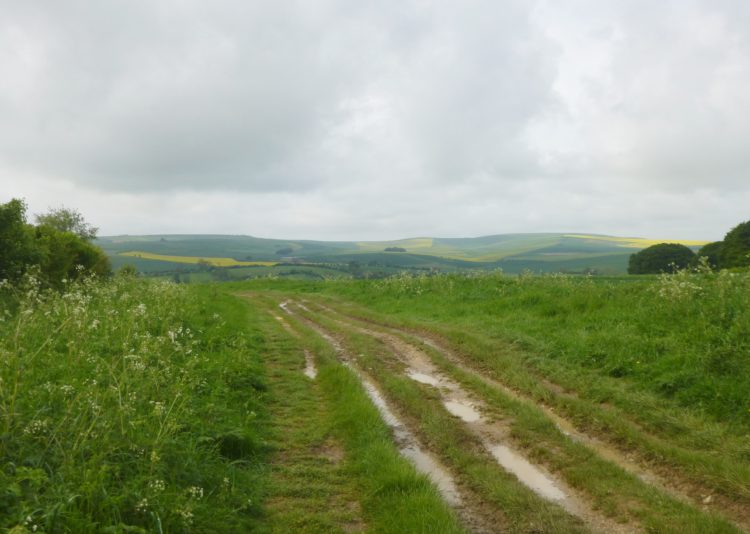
(138, 405)
(513, 253)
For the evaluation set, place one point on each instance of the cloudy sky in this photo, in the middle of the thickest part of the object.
(331, 119)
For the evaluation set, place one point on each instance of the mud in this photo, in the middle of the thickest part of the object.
(462, 410)
(540, 483)
(310, 370)
(567, 428)
(406, 441)
(493, 435)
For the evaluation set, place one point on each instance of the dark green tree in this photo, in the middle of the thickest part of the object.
(660, 258)
(18, 249)
(712, 251)
(68, 220)
(59, 254)
(66, 256)
(736, 247)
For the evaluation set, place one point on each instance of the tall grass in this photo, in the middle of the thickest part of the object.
(128, 406)
(683, 336)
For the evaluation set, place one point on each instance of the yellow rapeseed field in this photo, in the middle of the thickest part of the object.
(216, 262)
(638, 242)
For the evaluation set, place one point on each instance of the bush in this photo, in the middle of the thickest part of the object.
(60, 249)
(660, 258)
(18, 249)
(735, 251)
(712, 252)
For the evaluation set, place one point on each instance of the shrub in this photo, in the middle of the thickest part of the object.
(735, 251)
(660, 258)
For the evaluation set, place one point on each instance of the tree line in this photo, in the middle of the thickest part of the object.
(730, 253)
(58, 247)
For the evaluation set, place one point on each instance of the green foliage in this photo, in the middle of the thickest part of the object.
(120, 410)
(17, 247)
(59, 254)
(712, 252)
(65, 256)
(735, 251)
(664, 257)
(68, 220)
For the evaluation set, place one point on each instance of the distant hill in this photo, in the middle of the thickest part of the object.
(513, 253)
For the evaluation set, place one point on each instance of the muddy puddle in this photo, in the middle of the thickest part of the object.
(409, 448)
(540, 483)
(463, 410)
(492, 434)
(422, 378)
(407, 443)
(457, 402)
(567, 428)
(310, 370)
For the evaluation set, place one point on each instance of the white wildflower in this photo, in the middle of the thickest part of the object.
(157, 486)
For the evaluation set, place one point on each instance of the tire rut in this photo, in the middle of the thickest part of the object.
(493, 435)
(408, 444)
(675, 486)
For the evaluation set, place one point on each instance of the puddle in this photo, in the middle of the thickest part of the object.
(457, 401)
(408, 447)
(310, 370)
(405, 440)
(527, 473)
(463, 410)
(423, 378)
(439, 476)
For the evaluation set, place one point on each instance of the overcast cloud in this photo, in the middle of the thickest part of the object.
(374, 120)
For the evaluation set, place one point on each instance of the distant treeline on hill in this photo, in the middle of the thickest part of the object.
(59, 245)
(730, 253)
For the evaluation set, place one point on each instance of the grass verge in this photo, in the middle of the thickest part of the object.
(393, 496)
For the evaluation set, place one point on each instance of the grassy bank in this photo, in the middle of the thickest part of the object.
(685, 338)
(129, 406)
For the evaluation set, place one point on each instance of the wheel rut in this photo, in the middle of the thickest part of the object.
(666, 480)
(408, 444)
(473, 412)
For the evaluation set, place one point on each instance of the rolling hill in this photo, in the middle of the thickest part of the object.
(538, 252)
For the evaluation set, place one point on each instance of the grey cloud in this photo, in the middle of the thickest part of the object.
(146, 96)
(380, 120)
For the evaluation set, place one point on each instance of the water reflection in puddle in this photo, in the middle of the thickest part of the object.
(310, 370)
(527, 473)
(463, 410)
(422, 378)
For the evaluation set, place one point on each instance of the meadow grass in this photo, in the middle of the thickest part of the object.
(518, 509)
(657, 366)
(683, 338)
(129, 406)
(393, 496)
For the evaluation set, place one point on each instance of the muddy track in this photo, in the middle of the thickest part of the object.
(471, 410)
(473, 518)
(664, 478)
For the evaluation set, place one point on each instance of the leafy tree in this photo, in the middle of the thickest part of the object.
(18, 249)
(68, 220)
(712, 251)
(660, 258)
(59, 254)
(736, 247)
(66, 256)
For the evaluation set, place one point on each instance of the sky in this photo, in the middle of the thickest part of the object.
(326, 119)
